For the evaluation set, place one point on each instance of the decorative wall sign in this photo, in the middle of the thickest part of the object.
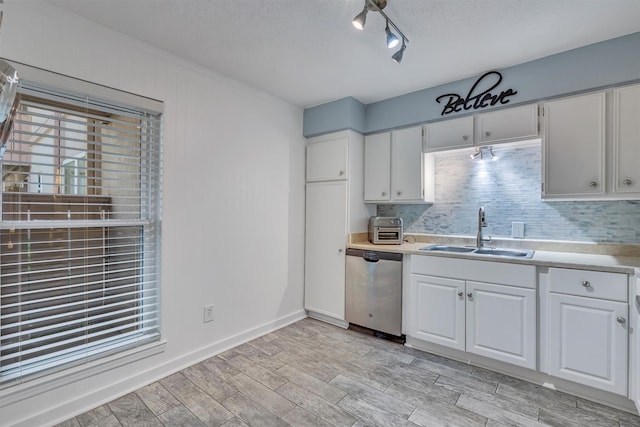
(482, 99)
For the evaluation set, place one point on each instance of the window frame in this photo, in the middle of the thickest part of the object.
(11, 391)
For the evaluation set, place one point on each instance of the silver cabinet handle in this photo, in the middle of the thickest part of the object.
(340, 250)
(399, 193)
(627, 182)
(460, 293)
(621, 320)
(586, 284)
(487, 134)
(384, 193)
(593, 184)
(470, 295)
(340, 173)
(465, 137)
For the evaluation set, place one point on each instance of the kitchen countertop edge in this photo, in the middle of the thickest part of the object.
(542, 258)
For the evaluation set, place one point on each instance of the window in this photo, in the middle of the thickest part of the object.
(80, 227)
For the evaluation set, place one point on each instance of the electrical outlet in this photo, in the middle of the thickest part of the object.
(517, 229)
(207, 314)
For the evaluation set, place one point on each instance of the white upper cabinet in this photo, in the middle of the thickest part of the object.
(327, 160)
(506, 125)
(626, 140)
(377, 167)
(496, 127)
(395, 168)
(407, 165)
(449, 134)
(574, 147)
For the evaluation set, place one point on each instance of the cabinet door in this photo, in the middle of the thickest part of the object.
(509, 124)
(501, 323)
(327, 160)
(626, 140)
(438, 305)
(407, 174)
(574, 147)
(325, 241)
(634, 353)
(377, 167)
(588, 341)
(447, 134)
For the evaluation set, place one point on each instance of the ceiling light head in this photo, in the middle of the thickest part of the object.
(398, 55)
(476, 154)
(493, 156)
(392, 39)
(360, 19)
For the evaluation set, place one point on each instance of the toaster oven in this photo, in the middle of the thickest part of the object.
(384, 230)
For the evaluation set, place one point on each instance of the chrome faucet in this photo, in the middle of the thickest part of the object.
(480, 241)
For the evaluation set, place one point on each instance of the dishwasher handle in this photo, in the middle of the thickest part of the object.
(370, 257)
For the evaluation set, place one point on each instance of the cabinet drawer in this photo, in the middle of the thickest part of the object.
(480, 271)
(594, 284)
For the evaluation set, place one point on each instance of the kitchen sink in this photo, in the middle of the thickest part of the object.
(506, 253)
(443, 248)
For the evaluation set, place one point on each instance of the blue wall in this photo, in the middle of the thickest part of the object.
(603, 64)
(509, 189)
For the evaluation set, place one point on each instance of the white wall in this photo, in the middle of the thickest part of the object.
(233, 213)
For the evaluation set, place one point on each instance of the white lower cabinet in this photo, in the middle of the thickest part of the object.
(492, 320)
(587, 336)
(439, 310)
(501, 323)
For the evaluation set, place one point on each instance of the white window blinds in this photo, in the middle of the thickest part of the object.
(79, 230)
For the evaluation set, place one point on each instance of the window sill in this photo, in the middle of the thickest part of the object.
(12, 393)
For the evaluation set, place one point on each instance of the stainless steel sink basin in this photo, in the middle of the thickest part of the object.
(506, 253)
(444, 248)
(510, 253)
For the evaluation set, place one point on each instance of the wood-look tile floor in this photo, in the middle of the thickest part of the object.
(314, 374)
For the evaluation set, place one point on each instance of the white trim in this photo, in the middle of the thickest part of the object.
(52, 381)
(327, 318)
(140, 379)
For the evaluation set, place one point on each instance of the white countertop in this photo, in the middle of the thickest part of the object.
(586, 261)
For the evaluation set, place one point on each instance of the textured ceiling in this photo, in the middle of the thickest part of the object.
(308, 53)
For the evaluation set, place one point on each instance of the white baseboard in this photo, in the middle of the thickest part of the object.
(328, 319)
(113, 391)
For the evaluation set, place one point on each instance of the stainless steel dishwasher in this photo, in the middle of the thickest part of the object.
(374, 290)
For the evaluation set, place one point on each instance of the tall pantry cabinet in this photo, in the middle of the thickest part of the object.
(334, 208)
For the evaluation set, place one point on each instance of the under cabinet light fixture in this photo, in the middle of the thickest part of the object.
(480, 152)
(392, 39)
(493, 156)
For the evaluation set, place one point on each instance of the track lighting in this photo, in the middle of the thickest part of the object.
(392, 39)
(476, 154)
(398, 55)
(360, 19)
